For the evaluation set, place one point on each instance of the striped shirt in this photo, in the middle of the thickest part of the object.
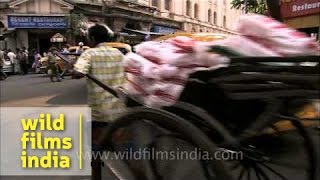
(106, 64)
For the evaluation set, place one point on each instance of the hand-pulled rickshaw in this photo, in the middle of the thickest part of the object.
(264, 111)
(256, 106)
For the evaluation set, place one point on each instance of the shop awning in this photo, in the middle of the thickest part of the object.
(7, 32)
(141, 32)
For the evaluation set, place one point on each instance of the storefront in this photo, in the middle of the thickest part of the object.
(35, 31)
(31, 23)
(163, 29)
(303, 15)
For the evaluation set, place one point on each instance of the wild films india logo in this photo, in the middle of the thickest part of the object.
(45, 141)
(33, 137)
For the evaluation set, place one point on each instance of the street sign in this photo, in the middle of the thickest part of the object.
(296, 8)
(164, 30)
(27, 22)
(59, 38)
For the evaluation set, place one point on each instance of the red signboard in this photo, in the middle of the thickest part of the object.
(295, 8)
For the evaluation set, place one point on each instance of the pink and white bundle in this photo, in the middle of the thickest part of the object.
(158, 71)
(246, 46)
(277, 36)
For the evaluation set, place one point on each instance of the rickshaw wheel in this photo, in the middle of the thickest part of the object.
(276, 155)
(257, 149)
(200, 118)
(170, 123)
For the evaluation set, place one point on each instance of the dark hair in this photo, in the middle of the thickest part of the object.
(99, 33)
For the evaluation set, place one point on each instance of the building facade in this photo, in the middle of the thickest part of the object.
(198, 15)
(170, 15)
(31, 23)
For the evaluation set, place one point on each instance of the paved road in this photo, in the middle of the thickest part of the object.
(37, 90)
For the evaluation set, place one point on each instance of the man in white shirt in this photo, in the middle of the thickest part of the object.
(12, 56)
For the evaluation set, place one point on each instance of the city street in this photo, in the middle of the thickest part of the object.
(203, 89)
(37, 90)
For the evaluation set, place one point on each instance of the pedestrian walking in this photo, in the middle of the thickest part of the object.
(23, 61)
(3, 75)
(17, 68)
(13, 58)
(25, 50)
(52, 65)
(36, 62)
(66, 64)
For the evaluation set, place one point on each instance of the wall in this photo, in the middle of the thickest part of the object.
(11, 43)
(22, 38)
(40, 7)
(31, 7)
(3, 17)
(179, 12)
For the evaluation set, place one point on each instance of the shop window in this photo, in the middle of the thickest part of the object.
(196, 11)
(224, 21)
(188, 8)
(215, 18)
(209, 16)
(155, 3)
(167, 5)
